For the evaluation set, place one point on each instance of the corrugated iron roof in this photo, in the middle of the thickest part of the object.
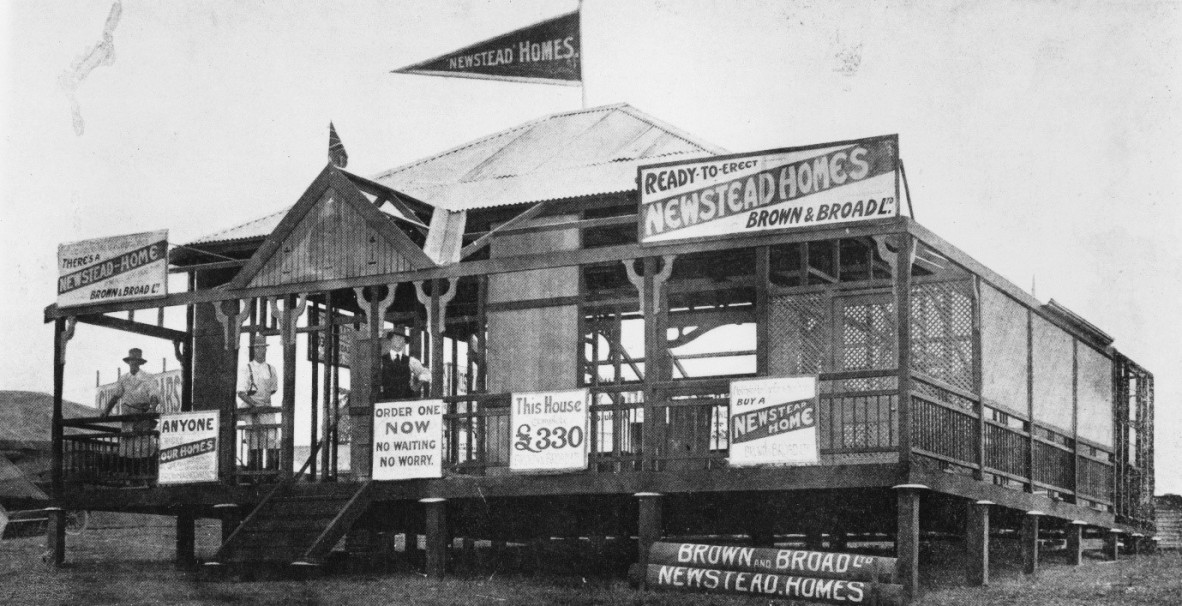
(566, 155)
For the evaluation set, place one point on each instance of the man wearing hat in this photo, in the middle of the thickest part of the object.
(401, 375)
(138, 392)
(257, 382)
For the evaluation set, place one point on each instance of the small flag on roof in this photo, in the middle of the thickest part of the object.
(336, 150)
(547, 53)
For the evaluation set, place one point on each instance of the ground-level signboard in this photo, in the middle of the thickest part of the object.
(721, 196)
(189, 447)
(408, 440)
(119, 268)
(774, 422)
(549, 430)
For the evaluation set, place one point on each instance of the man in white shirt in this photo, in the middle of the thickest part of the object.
(402, 376)
(257, 382)
(138, 392)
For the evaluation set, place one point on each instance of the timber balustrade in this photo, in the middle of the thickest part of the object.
(97, 450)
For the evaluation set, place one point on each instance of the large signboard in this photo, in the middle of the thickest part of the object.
(774, 422)
(782, 189)
(121, 268)
(189, 447)
(549, 430)
(546, 53)
(168, 385)
(408, 440)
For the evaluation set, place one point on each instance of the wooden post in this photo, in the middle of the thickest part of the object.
(1135, 544)
(437, 537)
(56, 533)
(907, 537)
(1030, 542)
(314, 392)
(648, 524)
(229, 514)
(186, 543)
(763, 312)
(435, 329)
(977, 543)
(287, 439)
(903, 330)
(978, 373)
(1112, 545)
(55, 536)
(330, 409)
(1075, 543)
(1029, 454)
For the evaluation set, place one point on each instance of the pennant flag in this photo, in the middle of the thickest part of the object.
(336, 150)
(547, 53)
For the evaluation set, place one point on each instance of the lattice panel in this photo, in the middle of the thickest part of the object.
(800, 334)
(867, 336)
(942, 332)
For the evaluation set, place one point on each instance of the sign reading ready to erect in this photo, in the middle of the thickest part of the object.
(408, 440)
(772, 190)
(549, 431)
(121, 268)
(774, 422)
(189, 447)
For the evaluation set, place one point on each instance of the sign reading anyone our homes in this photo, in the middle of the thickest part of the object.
(774, 422)
(189, 447)
(120, 268)
(549, 430)
(408, 440)
(772, 190)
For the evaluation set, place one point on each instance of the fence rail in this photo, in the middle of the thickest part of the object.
(114, 451)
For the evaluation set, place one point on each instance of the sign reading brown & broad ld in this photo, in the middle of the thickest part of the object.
(775, 190)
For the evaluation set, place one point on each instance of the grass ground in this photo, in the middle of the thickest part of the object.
(130, 563)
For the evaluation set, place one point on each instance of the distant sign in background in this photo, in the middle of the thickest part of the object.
(168, 385)
(408, 440)
(545, 53)
(782, 189)
(774, 422)
(189, 447)
(120, 268)
(549, 430)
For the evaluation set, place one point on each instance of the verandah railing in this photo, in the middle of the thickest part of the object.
(115, 451)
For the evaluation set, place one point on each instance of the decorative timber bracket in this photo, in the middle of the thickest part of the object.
(659, 279)
(436, 325)
(383, 305)
(287, 317)
(231, 322)
(64, 337)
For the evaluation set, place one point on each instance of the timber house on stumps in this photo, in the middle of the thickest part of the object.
(605, 254)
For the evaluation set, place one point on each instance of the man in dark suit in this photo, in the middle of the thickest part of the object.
(402, 376)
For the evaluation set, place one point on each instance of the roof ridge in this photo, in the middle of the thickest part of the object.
(390, 172)
(638, 113)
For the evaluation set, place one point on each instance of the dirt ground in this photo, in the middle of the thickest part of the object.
(128, 560)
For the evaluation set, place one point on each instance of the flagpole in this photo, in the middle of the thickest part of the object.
(582, 57)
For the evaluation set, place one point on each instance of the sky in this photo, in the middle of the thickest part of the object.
(1042, 138)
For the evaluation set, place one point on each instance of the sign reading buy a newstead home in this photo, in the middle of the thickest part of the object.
(549, 430)
(189, 447)
(119, 268)
(408, 440)
(773, 422)
(780, 189)
(546, 53)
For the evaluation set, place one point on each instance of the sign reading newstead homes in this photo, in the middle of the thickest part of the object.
(774, 422)
(120, 268)
(545, 53)
(780, 189)
(549, 430)
(189, 447)
(408, 440)
(167, 384)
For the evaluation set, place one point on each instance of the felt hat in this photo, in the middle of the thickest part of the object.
(135, 355)
(394, 332)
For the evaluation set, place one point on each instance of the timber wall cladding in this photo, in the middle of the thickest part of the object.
(331, 241)
(535, 348)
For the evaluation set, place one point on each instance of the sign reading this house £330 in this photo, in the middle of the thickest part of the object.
(781, 189)
(549, 430)
(773, 422)
(119, 268)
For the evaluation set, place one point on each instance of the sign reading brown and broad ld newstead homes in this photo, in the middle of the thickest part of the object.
(783, 189)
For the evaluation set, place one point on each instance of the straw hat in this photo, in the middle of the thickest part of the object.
(258, 341)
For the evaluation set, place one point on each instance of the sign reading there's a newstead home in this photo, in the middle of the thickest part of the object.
(549, 430)
(408, 440)
(782, 189)
(189, 447)
(773, 422)
(119, 268)
(821, 564)
(770, 585)
(545, 53)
